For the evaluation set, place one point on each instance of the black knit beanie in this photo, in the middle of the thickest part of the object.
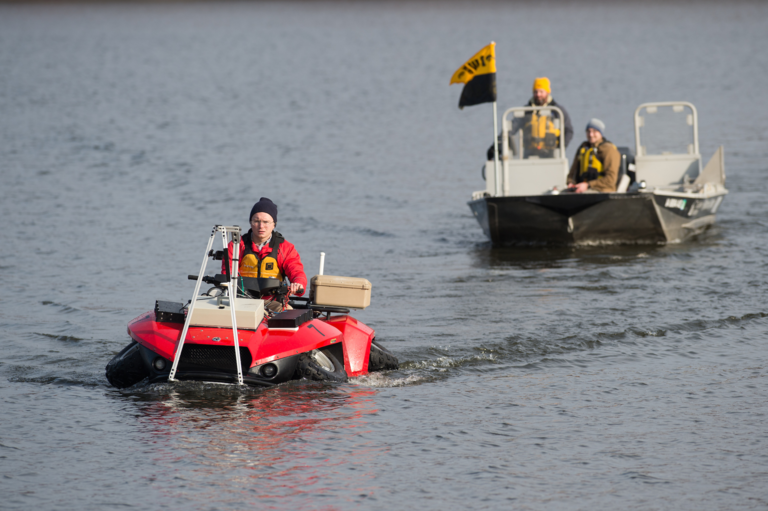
(264, 206)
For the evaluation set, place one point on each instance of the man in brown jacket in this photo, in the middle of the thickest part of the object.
(596, 165)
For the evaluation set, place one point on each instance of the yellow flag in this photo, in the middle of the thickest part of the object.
(483, 62)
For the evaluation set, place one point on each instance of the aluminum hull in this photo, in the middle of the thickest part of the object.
(596, 218)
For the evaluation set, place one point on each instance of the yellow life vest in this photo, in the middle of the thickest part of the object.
(590, 167)
(538, 128)
(251, 265)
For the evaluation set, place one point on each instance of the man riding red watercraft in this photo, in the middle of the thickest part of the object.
(242, 329)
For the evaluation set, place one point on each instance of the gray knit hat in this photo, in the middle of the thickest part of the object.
(596, 124)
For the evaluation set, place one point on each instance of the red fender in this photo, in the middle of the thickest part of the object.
(356, 342)
(279, 343)
(160, 337)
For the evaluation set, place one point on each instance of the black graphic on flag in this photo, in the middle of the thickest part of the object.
(479, 76)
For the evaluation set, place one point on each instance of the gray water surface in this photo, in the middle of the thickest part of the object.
(551, 378)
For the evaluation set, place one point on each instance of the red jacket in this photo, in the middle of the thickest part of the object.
(288, 261)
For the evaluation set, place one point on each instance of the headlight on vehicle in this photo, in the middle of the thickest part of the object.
(268, 370)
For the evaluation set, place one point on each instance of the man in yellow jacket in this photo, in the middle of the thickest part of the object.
(596, 165)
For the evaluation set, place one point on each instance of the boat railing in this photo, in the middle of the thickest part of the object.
(532, 153)
(667, 144)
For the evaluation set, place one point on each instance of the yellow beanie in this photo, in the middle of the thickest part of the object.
(542, 83)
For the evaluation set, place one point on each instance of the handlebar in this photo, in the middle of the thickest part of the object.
(206, 279)
(257, 286)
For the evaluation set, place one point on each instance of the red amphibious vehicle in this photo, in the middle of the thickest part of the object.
(250, 337)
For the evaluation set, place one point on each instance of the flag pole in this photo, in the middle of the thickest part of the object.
(496, 173)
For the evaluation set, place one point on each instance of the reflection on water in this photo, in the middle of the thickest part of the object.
(556, 257)
(487, 256)
(271, 443)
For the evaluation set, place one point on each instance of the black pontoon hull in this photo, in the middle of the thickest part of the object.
(595, 218)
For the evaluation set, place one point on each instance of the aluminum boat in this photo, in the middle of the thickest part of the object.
(663, 193)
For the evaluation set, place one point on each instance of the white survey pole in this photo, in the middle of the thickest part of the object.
(496, 173)
(322, 263)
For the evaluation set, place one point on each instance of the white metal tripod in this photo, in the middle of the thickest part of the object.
(228, 233)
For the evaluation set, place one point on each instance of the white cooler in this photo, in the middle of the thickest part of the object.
(330, 290)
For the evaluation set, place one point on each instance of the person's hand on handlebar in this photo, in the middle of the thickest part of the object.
(295, 288)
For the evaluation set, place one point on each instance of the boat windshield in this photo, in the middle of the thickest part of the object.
(533, 133)
(666, 129)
